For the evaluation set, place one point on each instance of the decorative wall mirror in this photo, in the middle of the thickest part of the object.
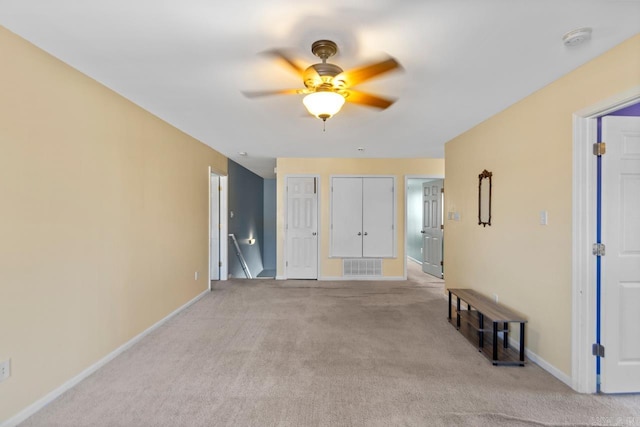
(484, 198)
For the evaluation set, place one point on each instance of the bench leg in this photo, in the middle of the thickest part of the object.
(458, 312)
(449, 317)
(505, 335)
(522, 343)
(495, 342)
(481, 332)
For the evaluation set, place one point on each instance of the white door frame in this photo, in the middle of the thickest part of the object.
(286, 224)
(406, 206)
(223, 218)
(583, 321)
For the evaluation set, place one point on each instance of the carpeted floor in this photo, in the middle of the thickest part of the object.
(308, 353)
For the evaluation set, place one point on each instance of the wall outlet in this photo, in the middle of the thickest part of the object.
(5, 369)
(495, 297)
(544, 218)
(196, 275)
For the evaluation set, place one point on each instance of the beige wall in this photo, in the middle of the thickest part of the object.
(104, 212)
(325, 167)
(528, 147)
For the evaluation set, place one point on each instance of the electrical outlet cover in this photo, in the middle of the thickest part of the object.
(5, 369)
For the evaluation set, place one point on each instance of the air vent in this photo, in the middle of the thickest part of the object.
(361, 267)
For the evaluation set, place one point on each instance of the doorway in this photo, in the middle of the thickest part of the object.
(423, 243)
(217, 227)
(585, 232)
(302, 230)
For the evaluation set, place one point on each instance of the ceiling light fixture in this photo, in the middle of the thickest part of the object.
(323, 104)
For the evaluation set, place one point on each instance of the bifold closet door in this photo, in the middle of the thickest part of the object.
(346, 211)
(377, 217)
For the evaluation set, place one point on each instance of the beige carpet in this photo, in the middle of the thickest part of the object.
(307, 353)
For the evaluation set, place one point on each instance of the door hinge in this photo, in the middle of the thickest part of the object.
(599, 148)
(441, 226)
(442, 190)
(598, 249)
(219, 263)
(219, 226)
(441, 263)
(220, 188)
(597, 350)
(286, 264)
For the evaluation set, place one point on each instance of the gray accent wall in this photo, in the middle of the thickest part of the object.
(246, 204)
(269, 242)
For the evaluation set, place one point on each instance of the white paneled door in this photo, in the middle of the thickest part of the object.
(302, 228)
(377, 217)
(346, 217)
(432, 227)
(621, 263)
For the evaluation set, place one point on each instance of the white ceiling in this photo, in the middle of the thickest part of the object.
(187, 62)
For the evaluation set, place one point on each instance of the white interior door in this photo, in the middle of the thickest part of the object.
(432, 227)
(377, 217)
(214, 239)
(302, 228)
(346, 217)
(621, 263)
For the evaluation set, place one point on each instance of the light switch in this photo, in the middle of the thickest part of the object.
(543, 218)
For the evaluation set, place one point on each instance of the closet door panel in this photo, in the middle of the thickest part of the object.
(346, 217)
(377, 217)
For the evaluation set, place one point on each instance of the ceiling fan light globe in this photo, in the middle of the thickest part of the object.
(323, 104)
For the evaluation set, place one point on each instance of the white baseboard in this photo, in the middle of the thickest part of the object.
(281, 278)
(51, 396)
(543, 363)
(414, 260)
(357, 278)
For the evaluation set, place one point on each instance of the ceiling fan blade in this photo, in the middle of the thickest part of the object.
(367, 99)
(259, 93)
(287, 58)
(361, 74)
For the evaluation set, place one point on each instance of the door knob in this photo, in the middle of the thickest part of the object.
(422, 231)
(314, 233)
(359, 233)
(366, 234)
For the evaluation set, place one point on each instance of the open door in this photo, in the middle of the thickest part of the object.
(621, 263)
(432, 227)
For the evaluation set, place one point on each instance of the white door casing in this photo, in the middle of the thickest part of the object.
(362, 217)
(620, 275)
(214, 240)
(302, 228)
(432, 227)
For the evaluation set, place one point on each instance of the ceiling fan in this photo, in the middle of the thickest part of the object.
(327, 86)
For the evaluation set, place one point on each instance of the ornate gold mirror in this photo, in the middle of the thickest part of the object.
(484, 198)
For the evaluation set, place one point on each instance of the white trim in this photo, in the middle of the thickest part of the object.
(224, 227)
(414, 260)
(360, 278)
(286, 226)
(583, 375)
(54, 394)
(543, 363)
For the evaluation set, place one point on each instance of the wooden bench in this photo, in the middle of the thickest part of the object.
(482, 323)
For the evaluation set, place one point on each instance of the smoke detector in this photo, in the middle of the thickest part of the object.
(576, 37)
